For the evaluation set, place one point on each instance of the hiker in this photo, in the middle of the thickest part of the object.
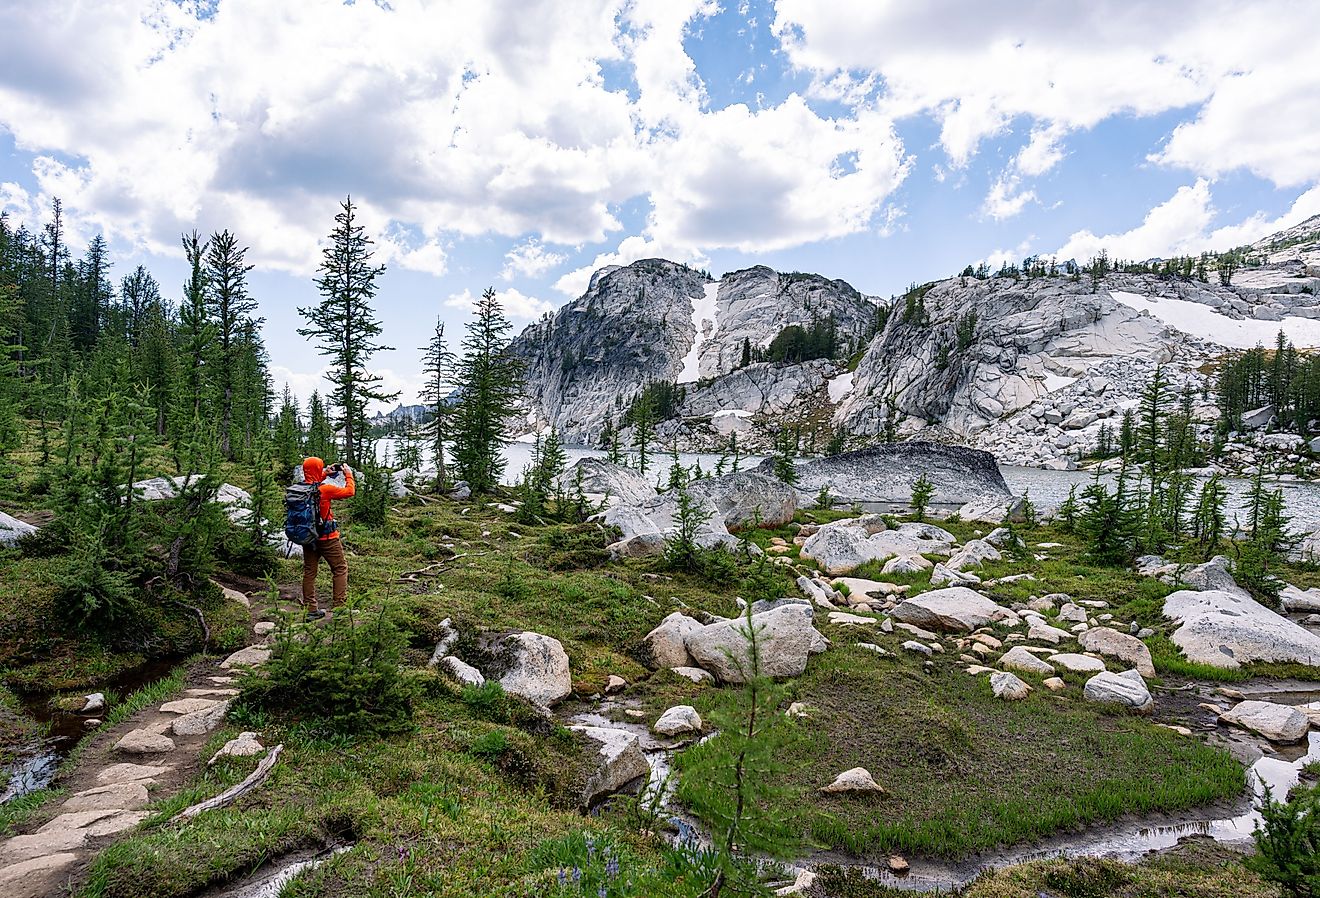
(327, 544)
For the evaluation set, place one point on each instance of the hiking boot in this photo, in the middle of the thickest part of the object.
(314, 615)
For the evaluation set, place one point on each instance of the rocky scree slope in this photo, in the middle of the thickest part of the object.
(1043, 363)
(657, 321)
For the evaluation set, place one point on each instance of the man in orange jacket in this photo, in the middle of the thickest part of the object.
(328, 545)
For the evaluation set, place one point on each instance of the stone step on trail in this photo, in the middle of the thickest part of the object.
(36, 878)
(119, 797)
(130, 773)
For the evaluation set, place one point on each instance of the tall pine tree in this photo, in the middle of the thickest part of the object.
(489, 384)
(346, 327)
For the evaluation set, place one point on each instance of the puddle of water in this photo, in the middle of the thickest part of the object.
(270, 883)
(39, 762)
(1128, 842)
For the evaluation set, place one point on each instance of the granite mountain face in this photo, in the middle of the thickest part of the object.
(1027, 365)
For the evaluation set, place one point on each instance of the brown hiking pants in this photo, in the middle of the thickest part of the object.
(332, 550)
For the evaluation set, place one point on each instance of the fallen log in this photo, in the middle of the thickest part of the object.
(233, 793)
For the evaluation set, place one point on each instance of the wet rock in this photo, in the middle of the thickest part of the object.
(144, 742)
(678, 720)
(620, 762)
(1227, 630)
(955, 609)
(1008, 686)
(94, 703)
(1113, 644)
(1127, 689)
(785, 636)
(539, 671)
(897, 865)
(858, 779)
(1278, 723)
(1020, 659)
(666, 645)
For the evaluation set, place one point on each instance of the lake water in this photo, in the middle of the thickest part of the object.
(1047, 489)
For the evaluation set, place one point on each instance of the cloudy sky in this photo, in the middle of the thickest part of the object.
(524, 143)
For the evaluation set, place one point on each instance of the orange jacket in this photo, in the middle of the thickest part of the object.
(314, 472)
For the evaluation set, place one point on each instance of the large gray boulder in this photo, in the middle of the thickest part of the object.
(843, 546)
(619, 760)
(12, 530)
(647, 527)
(955, 609)
(887, 473)
(745, 496)
(666, 645)
(1113, 644)
(605, 482)
(1127, 689)
(539, 671)
(785, 636)
(1225, 629)
(1278, 723)
(1300, 601)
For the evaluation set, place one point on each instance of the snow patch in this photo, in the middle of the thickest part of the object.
(736, 412)
(1202, 321)
(703, 311)
(840, 386)
(1056, 382)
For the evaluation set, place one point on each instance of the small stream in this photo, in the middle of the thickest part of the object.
(1128, 841)
(39, 762)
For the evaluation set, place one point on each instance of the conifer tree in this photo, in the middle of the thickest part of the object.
(320, 435)
(346, 326)
(196, 329)
(230, 308)
(288, 434)
(438, 369)
(489, 383)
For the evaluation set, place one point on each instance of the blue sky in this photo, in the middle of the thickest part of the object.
(522, 143)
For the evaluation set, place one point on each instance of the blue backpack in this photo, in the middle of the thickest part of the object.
(302, 513)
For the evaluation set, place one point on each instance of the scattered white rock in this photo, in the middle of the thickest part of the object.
(955, 609)
(1074, 663)
(678, 720)
(620, 761)
(1020, 659)
(1228, 630)
(1008, 686)
(1127, 689)
(858, 779)
(1278, 723)
(1113, 644)
(666, 645)
(243, 745)
(539, 671)
(695, 674)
